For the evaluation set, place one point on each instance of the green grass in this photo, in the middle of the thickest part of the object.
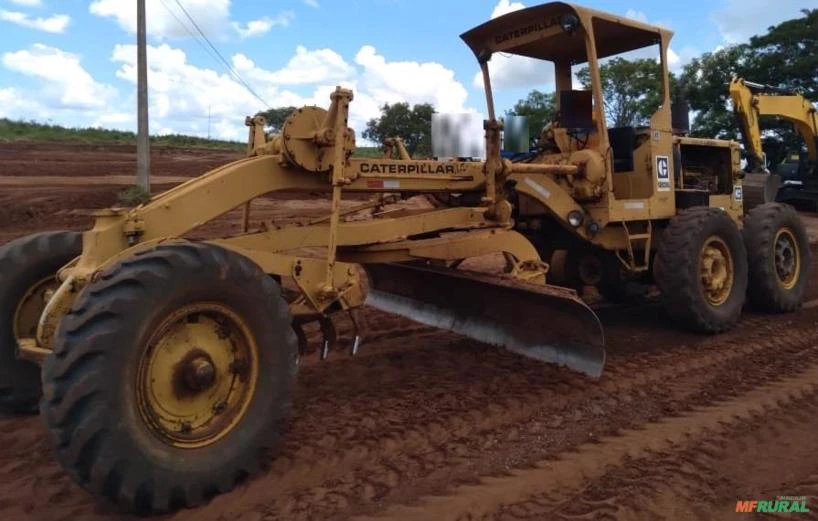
(368, 152)
(32, 131)
(134, 195)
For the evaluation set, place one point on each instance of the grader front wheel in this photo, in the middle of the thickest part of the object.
(169, 377)
(701, 270)
(28, 268)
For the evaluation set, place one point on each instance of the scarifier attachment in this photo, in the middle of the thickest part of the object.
(547, 323)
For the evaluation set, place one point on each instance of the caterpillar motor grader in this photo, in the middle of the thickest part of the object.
(163, 365)
(793, 181)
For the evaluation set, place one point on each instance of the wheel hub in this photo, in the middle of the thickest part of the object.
(197, 375)
(787, 258)
(590, 270)
(31, 306)
(716, 268)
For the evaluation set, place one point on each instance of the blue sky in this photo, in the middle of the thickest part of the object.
(73, 62)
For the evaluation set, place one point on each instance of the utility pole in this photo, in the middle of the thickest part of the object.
(208, 122)
(143, 153)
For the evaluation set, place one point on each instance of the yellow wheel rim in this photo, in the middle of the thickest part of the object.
(787, 258)
(31, 306)
(197, 376)
(716, 270)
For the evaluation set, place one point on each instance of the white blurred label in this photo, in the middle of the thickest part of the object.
(515, 134)
(458, 135)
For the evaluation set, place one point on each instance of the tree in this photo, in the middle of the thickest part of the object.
(706, 81)
(540, 109)
(631, 90)
(413, 124)
(276, 117)
(787, 55)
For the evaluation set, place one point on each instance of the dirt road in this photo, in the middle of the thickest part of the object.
(425, 424)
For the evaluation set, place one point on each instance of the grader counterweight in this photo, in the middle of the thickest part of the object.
(167, 363)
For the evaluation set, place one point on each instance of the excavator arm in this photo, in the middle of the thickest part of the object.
(752, 101)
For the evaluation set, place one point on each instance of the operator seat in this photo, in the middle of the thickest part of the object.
(623, 142)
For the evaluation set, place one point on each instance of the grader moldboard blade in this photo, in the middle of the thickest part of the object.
(546, 323)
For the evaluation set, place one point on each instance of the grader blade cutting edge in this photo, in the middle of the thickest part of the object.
(542, 322)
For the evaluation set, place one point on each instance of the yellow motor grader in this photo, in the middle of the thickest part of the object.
(162, 365)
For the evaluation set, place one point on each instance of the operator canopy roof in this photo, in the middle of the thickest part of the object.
(543, 32)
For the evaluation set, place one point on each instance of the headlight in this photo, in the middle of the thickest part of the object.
(575, 218)
(569, 23)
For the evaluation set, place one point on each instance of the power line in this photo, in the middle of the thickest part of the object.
(188, 30)
(223, 60)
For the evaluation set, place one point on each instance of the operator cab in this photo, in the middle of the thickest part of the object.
(571, 37)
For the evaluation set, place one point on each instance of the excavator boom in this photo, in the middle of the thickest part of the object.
(754, 100)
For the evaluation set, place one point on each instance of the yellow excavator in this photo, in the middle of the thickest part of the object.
(795, 180)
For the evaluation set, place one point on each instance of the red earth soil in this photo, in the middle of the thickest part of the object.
(424, 424)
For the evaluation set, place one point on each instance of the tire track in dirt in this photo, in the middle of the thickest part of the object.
(550, 489)
(362, 468)
(453, 396)
(760, 457)
(354, 447)
(344, 455)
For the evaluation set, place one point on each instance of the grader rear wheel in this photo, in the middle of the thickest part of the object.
(701, 270)
(779, 256)
(169, 377)
(28, 268)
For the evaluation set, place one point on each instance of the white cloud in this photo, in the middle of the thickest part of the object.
(509, 71)
(263, 25)
(115, 120)
(14, 104)
(505, 7)
(67, 83)
(28, 3)
(410, 81)
(182, 94)
(738, 20)
(311, 3)
(639, 16)
(306, 67)
(212, 16)
(53, 24)
(676, 60)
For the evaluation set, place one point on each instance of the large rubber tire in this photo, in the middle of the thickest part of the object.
(90, 403)
(678, 272)
(24, 264)
(766, 291)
